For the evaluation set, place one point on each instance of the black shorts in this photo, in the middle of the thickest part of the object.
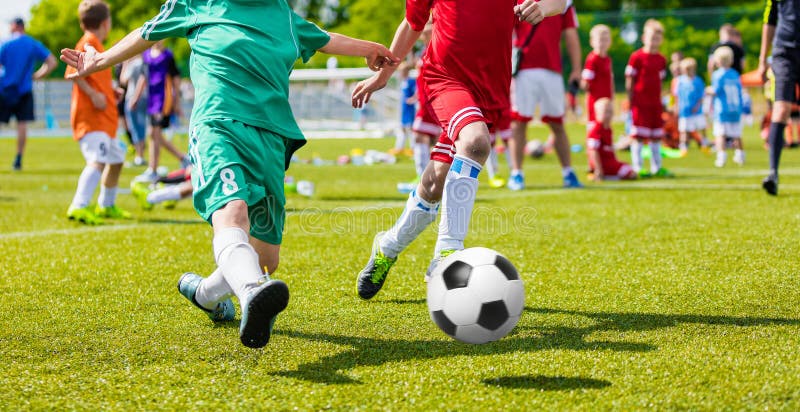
(22, 109)
(160, 120)
(786, 66)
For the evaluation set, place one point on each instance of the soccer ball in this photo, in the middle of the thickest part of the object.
(475, 295)
(534, 149)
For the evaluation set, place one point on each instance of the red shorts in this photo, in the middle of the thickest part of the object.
(647, 122)
(455, 109)
(501, 128)
(425, 121)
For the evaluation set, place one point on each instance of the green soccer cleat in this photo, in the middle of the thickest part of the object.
(435, 262)
(497, 182)
(663, 173)
(644, 174)
(112, 212)
(84, 215)
(140, 190)
(259, 310)
(170, 204)
(370, 279)
(187, 286)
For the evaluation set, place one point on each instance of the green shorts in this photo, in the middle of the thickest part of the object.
(234, 161)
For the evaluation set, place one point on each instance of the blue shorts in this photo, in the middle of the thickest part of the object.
(21, 108)
(407, 114)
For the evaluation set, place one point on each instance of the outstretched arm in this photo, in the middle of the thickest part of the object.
(404, 39)
(377, 55)
(91, 61)
(48, 66)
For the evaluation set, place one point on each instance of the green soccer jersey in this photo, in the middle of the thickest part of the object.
(242, 54)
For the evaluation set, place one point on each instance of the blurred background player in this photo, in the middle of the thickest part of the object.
(18, 56)
(539, 83)
(426, 127)
(732, 38)
(726, 87)
(134, 76)
(781, 32)
(163, 100)
(690, 91)
(467, 73)
(168, 189)
(408, 106)
(603, 163)
(644, 73)
(597, 75)
(94, 124)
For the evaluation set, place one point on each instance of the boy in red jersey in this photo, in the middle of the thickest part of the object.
(597, 76)
(646, 69)
(603, 163)
(467, 73)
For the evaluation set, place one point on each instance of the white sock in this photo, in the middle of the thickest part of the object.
(400, 140)
(722, 156)
(565, 171)
(516, 172)
(492, 165)
(161, 195)
(212, 290)
(416, 217)
(460, 189)
(655, 157)
(108, 195)
(238, 261)
(87, 183)
(636, 155)
(422, 155)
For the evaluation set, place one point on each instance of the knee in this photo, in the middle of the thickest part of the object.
(475, 143)
(780, 112)
(233, 214)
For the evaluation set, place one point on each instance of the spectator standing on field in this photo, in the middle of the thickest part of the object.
(539, 83)
(17, 58)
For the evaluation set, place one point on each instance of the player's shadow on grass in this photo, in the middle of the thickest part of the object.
(547, 383)
(375, 352)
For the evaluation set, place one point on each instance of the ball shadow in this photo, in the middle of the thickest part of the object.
(547, 383)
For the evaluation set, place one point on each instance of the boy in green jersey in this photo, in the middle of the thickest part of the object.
(242, 135)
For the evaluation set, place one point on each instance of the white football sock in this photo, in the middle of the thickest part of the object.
(238, 261)
(161, 195)
(212, 290)
(417, 216)
(460, 189)
(492, 165)
(422, 155)
(400, 140)
(108, 195)
(636, 155)
(655, 156)
(87, 183)
(565, 171)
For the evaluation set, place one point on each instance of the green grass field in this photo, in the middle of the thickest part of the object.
(657, 294)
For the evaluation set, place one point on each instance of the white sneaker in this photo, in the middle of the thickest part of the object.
(149, 176)
(738, 158)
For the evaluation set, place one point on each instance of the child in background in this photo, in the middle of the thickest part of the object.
(690, 91)
(94, 125)
(408, 104)
(598, 76)
(644, 73)
(726, 87)
(603, 163)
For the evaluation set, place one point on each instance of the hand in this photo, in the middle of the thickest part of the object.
(98, 101)
(530, 11)
(119, 92)
(379, 56)
(575, 76)
(365, 88)
(84, 62)
(762, 72)
(131, 105)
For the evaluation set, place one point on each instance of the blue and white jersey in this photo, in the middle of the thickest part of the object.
(727, 87)
(690, 95)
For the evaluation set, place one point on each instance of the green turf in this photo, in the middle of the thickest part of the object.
(658, 294)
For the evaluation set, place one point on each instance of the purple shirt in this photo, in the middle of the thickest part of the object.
(160, 69)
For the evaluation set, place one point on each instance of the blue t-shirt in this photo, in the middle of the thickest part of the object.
(690, 94)
(408, 110)
(727, 95)
(18, 56)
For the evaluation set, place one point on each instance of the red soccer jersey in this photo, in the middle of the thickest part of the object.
(597, 73)
(470, 47)
(648, 70)
(600, 138)
(544, 49)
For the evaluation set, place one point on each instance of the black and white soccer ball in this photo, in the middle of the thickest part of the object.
(475, 295)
